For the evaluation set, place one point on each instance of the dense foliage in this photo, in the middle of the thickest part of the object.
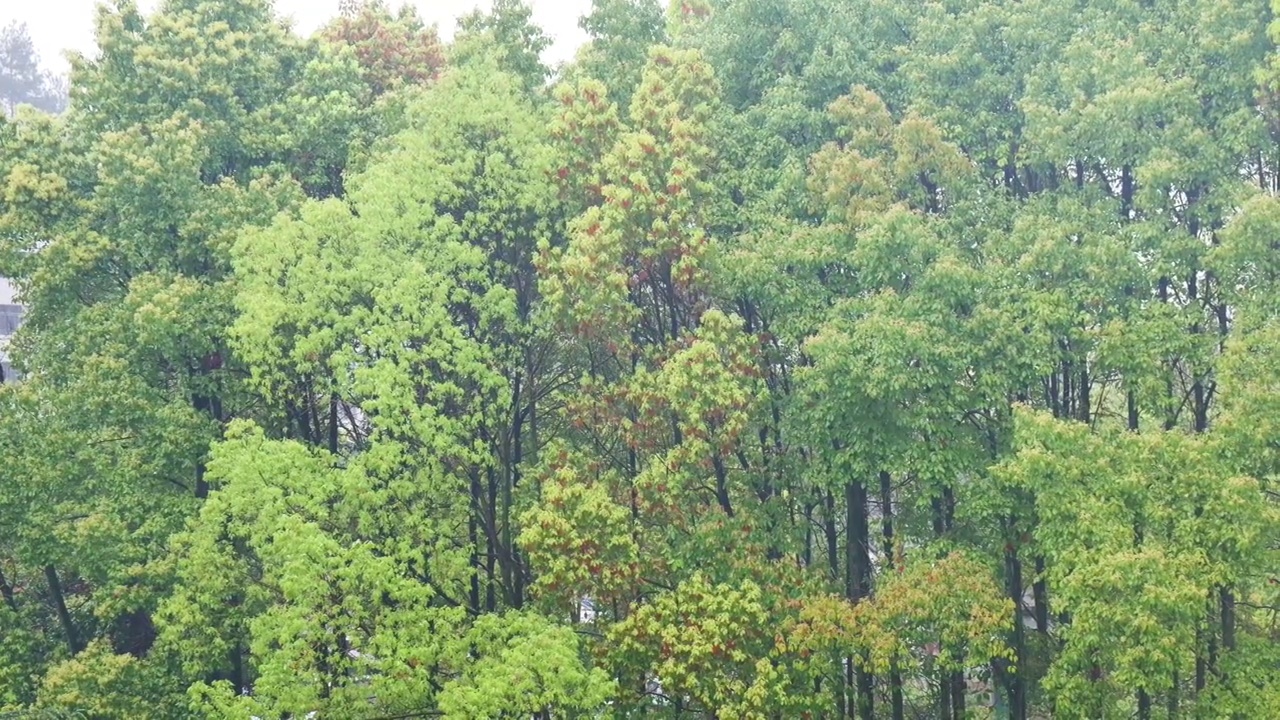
(772, 359)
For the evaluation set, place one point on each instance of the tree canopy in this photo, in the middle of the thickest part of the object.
(769, 359)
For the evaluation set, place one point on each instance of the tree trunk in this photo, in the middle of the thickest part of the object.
(1054, 405)
(1068, 390)
(949, 508)
(1086, 404)
(209, 405)
(886, 525)
(722, 485)
(958, 689)
(513, 572)
(1126, 192)
(858, 580)
(1200, 661)
(1016, 681)
(7, 591)
(1144, 700)
(473, 537)
(60, 604)
(1207, 650)
(333, 424)
(943, 521)
(944, 694)
(886, 516)
(829, 531)
(202, 486)
(1227, 614)
(1040, 593)
(238, 679)
(833, 558)
(807, 552)
(897, 707)
(842, 689)
(491, 542)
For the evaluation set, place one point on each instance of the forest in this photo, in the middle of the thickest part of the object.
(770, 359)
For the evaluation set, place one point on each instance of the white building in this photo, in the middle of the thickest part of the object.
(10, 318)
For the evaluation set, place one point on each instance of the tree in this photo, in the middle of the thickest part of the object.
(117, 219)
(392, 50)
(391, 331)
(622, 31)
(22, 82)
(506, 32)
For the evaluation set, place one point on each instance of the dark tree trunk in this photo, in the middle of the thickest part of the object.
(333, 423)
(1015, 681)
(491, 542)
(886, 525)
(896, 704)
(886, 516)
(64, 616)
(1126, 192)
(1200, 661)
(1207, 650)
(829, 531)
(958, 688)
(949, 507)
(859, 560)
(1144, 699)
(1040, 593)
(473, 537)
(944, 694)
(1068, 390)
(833, 558)
(208, 405)
(1200, 411)
(1227, 614)
(514, 569)
(807, 556)
(722, 485)
(237, 669)
(6, 590)
(858, 580)
(842, 690)
(866, 695)
(1085, 406)
(202, 406)
(1211, 662)
(1054, 405)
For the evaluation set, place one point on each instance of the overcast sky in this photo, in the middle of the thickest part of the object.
(59, 25)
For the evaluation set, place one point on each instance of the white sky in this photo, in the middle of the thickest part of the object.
(59, 25)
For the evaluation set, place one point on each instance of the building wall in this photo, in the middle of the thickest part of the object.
(10, 317)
